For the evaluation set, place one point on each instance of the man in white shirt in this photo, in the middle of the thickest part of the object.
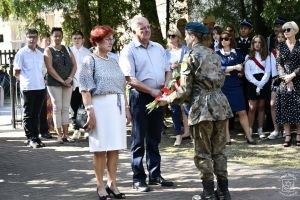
(79, 52)
(30, 69)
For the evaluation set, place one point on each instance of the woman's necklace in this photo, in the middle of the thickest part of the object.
(103, 58)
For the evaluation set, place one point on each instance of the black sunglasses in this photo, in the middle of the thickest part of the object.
(226, 39)
(287, 30)
(171, 36)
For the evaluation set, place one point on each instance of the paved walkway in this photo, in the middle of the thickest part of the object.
(64, 172)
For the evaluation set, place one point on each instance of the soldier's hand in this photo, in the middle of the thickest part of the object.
(162, 101)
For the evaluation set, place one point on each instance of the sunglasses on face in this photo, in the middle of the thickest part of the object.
(225, 38)
(287, 30)
(171, 36)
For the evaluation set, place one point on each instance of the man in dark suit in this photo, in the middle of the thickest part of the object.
(244, 41)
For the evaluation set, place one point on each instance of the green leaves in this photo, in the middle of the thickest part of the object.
(6, 9)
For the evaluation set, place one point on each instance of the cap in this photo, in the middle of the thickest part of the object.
(209, 19)
(246, 22)
(196, 27)
(279, 20)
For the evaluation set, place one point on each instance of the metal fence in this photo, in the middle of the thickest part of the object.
(5, 56)
(6, 59)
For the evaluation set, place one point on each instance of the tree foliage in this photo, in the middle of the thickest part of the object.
(148, 9)
(261, 12)
(77, 14)
(5, 9)
(289, 9)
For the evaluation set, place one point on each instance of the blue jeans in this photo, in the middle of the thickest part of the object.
(146, 129)
(186, 108)
(176, 118)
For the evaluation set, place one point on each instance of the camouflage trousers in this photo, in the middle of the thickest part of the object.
(209, 145)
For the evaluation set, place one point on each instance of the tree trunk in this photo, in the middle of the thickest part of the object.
(148, 9)
(260, 25)
(100, 19)
(243, 9)
(85, 20)
(168, 15)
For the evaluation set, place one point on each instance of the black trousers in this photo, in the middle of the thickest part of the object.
(43, 117)
(32, 105)
(76, 102)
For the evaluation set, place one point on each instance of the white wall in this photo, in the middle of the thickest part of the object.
(14, 31)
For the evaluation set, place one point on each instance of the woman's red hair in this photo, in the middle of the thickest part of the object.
(100, 32)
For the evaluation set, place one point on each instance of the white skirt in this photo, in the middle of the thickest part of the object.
(110, 131)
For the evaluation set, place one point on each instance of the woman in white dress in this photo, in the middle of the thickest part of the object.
(102, 85)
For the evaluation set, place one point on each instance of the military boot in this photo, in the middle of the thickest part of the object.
(208, 191)
(222, 192)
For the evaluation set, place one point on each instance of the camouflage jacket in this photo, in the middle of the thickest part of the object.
(201, 81)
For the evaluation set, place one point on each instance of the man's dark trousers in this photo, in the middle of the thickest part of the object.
(146, 129)
(32, 105)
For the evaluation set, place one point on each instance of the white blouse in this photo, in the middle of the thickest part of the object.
(274, 71)
(251, 68)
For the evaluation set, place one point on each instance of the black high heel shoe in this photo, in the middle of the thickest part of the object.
(251, 142)
(116, 196)
(288, 143)
(101, 197)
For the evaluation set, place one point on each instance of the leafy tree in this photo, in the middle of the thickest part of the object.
(289, 9)
(148, 10)
(5, 9)
(79, 14)
(261, 12)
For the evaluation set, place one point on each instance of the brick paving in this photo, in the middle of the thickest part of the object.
(64, 172)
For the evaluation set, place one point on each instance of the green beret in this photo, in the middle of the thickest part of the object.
(196, 27)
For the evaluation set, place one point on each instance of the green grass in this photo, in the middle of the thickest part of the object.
(267, 153)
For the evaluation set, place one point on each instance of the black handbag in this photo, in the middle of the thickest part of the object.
(81, 117)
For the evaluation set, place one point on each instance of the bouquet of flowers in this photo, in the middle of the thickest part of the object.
(170, 87)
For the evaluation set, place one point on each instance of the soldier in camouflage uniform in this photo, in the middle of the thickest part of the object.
(201, 81)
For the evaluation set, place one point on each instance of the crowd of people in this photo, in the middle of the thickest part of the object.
(220, 75)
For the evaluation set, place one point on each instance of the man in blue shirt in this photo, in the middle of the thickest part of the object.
(144, 63)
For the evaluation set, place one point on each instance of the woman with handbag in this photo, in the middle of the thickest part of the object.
(102, 85)
(61, 68)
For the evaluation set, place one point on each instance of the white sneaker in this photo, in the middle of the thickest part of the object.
(178, 140)
(273, 135)
(86, 135)
(76, 135)
(261, 133)
(33, 144)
